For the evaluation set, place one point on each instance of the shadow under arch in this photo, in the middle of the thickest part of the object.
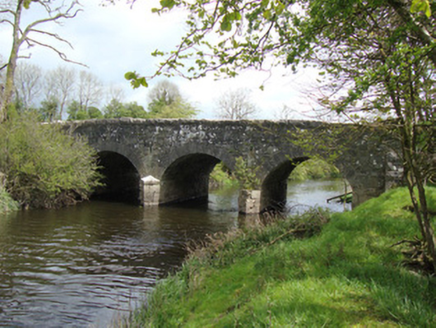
(275, 185)
(121, 179)
(187, 178)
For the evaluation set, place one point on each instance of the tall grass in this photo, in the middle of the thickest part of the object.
(347, 275)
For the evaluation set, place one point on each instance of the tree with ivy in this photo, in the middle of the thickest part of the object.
(376, 60)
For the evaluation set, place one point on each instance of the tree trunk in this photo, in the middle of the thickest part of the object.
(12, 64)
(414, 180)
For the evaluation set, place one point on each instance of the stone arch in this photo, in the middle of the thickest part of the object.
(275, 185)
(187, 178)
(121, 178)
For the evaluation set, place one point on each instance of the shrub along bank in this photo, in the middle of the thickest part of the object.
(7, 204)
(350, 274)
(45, 167)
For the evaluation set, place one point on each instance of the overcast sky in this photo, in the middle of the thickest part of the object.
(115, 39)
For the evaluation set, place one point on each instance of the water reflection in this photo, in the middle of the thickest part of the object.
(78, 266)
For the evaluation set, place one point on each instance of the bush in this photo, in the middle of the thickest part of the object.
(7, 204)
(222, 177)
(45, 166)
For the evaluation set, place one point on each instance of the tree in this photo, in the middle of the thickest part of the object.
(113, 109)
(76, 112)
(28, 83)
(60, 84)
(116, 109)
(89, 90)
(285, 113)
(115, 93)
(11, 12)
(377, 60)
(94, 113)
(49, 109)
(164, 91)
(236, 105)
(166, 101)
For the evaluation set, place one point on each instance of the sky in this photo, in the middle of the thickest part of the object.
(112, 40)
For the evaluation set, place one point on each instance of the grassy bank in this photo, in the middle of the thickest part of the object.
(289, 274)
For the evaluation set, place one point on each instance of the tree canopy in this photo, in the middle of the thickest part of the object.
(166, 101)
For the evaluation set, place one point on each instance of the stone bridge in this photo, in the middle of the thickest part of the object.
(166, 161)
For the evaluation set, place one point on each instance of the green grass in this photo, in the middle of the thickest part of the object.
(347, 275)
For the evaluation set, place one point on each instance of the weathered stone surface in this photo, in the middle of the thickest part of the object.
(182, 153)
(249, 201)
(150, 191)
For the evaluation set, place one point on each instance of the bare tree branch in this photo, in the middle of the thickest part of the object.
(62, 55)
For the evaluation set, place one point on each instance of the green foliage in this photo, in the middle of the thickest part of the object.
(222, 177)
(75, 111)
(135, 80)
(49, 109)
(246, 174)
(314, 169)
(78, 112)
(176, 109)
(348, 275)
(421, 6)
(45, 167)
(7, 203)
(94, 113)
(116, 109)
(166, 101)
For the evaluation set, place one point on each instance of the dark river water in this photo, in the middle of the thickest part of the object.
(86, 265)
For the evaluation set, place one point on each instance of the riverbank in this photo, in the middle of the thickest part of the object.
(347, 274)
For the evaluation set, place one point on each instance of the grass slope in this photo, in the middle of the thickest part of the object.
(348, 275)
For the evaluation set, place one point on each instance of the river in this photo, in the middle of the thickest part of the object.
(85, 265)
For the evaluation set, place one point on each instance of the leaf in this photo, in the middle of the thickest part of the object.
(130, 75)
(167, 3)
(421, 6)
(26, 3)
(226, 26)
(135, 80)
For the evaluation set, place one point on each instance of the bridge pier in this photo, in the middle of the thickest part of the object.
(362, 194)
(150, 191)
(249, 201)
